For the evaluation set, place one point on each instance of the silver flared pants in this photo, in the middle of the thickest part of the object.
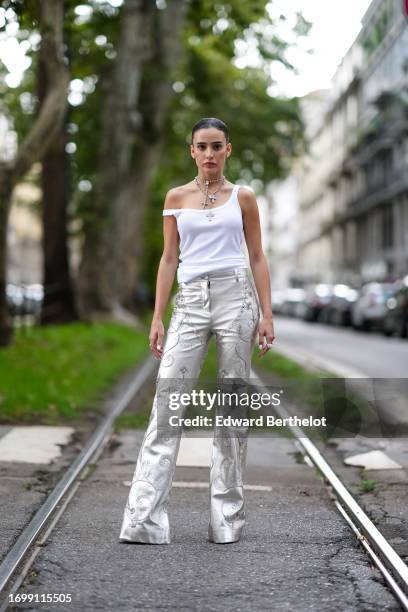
(224, 304)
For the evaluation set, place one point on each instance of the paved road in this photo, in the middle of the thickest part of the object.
(371, 354)
(297, 552)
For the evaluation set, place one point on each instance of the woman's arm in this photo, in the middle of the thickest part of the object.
(259, 265)
(165, 274)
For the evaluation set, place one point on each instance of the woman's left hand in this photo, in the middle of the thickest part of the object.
(266, 336)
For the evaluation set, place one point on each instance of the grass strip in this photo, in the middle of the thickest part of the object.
(55, 374)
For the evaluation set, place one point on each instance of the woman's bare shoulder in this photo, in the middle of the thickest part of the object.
(247, 198)
(176, 195)
(247, 192)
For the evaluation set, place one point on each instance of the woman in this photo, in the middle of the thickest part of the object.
(205, 218)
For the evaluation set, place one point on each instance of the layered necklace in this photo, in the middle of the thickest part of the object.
(209, 196)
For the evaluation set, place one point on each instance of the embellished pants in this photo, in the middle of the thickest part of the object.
(223, 304)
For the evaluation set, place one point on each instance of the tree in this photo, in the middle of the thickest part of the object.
(149, 70)
(40, 136)
(267, 129)
(147, 41)
(58, 304)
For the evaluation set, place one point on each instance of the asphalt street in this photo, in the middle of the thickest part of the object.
(296, 552)
(370, 354)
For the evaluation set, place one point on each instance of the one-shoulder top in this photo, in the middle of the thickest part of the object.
(210, 239)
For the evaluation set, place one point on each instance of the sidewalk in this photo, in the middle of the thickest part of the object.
(28, 473)
(296, 551)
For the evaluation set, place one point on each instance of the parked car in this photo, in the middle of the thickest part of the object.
(15, 299)
(396, 316)
(293, 301)
(340, 304)
(33, 298)
(278, 298)
(317, 297)
(370, 308)
(24, 299)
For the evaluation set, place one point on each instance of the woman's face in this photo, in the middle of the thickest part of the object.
(210, 150)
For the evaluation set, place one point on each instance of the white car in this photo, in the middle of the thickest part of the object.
(370, 308)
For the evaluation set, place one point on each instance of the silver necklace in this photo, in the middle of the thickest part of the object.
(209, 196)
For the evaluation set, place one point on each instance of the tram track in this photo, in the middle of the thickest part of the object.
(21, 556)
(51, 510)
(390, 564)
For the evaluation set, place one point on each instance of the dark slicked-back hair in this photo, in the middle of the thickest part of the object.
(210, 122)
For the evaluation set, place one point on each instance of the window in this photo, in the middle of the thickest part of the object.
(387, 226)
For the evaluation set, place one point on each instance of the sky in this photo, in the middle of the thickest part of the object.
(335, 26)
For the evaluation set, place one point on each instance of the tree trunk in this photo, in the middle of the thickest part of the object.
(130, 145)
(155, 97)
(39, 138)
(97, 290)
(58, 305)
(6, 329)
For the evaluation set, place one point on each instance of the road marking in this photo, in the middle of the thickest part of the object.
(373, 460)
(195, 452)
(186, 484)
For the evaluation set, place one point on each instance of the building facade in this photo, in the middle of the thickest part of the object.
(353, 185)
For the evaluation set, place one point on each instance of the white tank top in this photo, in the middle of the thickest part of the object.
(209, 244)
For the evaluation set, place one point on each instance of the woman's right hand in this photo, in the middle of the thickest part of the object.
(156, 338)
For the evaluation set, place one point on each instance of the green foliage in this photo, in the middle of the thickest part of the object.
(368, 485)
(266, 132)
(378, 31)
(133, 420)
(55, 373)
(20, 104)
(287, 369)
(391, 110)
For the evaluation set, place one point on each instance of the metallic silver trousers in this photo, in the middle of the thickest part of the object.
(224, 304)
